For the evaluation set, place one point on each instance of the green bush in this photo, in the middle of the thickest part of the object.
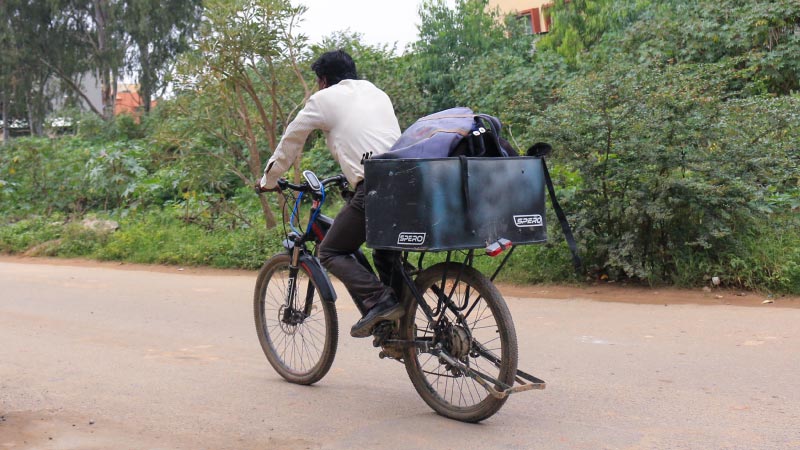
(669, 171)
(17, 237)
(69, 175)
(675, 127)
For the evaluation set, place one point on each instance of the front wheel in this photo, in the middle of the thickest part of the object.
(298, 330)
(475, 332)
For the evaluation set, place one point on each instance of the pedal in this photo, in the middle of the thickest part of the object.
(382, 333)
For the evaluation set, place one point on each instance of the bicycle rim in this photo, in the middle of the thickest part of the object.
(299, 334)
(444, 387)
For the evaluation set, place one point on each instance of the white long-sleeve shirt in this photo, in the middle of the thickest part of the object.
(357, 119)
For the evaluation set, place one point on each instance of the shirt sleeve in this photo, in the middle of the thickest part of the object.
(310, 118)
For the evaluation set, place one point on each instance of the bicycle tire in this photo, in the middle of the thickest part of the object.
(433, 380)
(311, 344)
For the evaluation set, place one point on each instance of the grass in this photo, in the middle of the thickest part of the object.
(149, 238)
(765, 258)
(768, 260)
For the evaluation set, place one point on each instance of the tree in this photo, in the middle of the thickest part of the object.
(246, 60)
(61, 39)
(32, 28)
(7, 62)
(449, 40)
(669, 167)
(89, 40)
(512, 82)
(70, 40)
(159, 32)
(761, 35)
(578, 25)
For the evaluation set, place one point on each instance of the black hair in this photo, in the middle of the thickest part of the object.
(335, 66)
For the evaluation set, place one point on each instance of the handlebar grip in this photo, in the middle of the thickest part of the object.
(340, 179)
(281, 185)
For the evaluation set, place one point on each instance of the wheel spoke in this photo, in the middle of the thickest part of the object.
(301, 348)
(477, 314)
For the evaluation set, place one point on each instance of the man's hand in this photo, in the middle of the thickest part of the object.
(260, 189)
(260, 186)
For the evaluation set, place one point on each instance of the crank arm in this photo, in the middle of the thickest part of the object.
(423, 345)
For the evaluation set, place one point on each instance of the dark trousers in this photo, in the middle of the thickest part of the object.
(336, 251)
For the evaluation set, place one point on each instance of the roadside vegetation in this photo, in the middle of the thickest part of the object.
(675, 126)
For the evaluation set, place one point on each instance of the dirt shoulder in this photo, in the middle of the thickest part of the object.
(612, 292)
(606, 292)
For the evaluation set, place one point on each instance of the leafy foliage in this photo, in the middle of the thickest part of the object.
(449, 40)
(761, 36)
(668, 167)
(578, 25)
(51, 48)
(159, 30)
(675, 126)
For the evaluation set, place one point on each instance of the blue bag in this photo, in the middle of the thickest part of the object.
(452, 132)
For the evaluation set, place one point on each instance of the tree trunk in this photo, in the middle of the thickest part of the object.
(114, 78)
(34, 118)
(254, 159)
(146, 80)
(106, 89)
(269, 218)
(6, 119)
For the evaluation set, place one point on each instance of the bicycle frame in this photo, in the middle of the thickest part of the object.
(317, 229)
(386, 334)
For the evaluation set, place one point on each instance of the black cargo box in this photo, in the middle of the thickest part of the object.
(453, 203)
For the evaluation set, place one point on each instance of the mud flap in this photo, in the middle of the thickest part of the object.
(312, 265)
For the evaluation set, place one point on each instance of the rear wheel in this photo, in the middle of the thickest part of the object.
(297, 329)
(483, 339)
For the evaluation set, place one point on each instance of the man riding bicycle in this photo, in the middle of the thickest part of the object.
(358, 121)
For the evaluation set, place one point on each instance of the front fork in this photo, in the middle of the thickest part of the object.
(292, 308)
(293, 269)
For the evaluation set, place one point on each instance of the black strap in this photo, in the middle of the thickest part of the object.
(573, 247)
(481, 145)
(495, 127)
(465, 191)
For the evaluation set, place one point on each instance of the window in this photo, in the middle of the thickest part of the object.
(530, 18)
(548, 16)
(527, 22)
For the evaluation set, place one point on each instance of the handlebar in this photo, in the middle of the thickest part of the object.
(284, 184)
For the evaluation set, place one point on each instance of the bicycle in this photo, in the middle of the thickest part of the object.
(456, 338)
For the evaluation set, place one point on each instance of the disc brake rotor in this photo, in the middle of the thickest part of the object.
(289, 319)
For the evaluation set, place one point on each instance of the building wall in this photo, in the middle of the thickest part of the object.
(129, 101)
(89, 84)
(534, 9)
(518, 5)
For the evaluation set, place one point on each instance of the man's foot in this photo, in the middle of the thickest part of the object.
(379, 313)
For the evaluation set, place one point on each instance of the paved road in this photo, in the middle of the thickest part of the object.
(100, 358)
